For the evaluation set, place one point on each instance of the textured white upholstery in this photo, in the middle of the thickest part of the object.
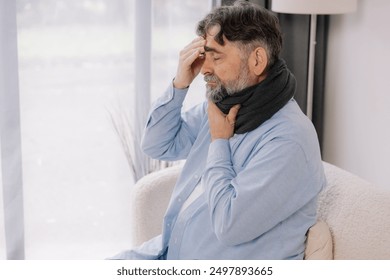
(357, 213)
(150, 199)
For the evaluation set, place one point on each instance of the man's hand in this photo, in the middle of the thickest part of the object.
(190, 62)
(221, 125)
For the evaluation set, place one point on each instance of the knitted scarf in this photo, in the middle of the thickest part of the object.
(261, 101)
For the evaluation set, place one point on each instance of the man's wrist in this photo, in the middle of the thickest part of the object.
(177, 85)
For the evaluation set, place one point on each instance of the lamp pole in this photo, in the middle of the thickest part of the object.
(310, 77)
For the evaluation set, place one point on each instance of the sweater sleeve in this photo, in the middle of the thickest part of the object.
(170, 133)
(245, 202)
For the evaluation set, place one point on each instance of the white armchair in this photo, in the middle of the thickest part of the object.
(354, 215)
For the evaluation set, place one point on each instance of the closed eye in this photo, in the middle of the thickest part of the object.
(215, 54)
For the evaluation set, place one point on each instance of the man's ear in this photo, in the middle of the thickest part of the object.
(258, 61)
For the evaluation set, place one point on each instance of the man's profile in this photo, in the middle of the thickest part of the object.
(253, 170)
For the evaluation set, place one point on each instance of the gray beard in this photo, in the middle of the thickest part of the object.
(218, 93)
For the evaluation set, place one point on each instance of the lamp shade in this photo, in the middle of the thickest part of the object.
(314, 6)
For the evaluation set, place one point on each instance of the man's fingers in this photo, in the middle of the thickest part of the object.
(214, 108)
(231, 116)
(233, 113)
(221, 125)
(193, 51)
(190, 63)
(190, 56)
(196, 43)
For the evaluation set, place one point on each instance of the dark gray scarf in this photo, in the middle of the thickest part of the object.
(261, 101)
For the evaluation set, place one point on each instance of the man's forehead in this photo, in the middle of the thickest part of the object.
(214, 46)
(211, 43)
(212, 31)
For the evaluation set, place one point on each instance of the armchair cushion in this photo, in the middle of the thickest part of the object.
(319, 242)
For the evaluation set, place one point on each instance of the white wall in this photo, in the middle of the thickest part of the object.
(357, 94)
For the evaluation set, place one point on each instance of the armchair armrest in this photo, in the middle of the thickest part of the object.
(150, 199)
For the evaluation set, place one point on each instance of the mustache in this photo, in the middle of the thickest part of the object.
(211, 78)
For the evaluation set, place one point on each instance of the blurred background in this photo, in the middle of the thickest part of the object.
(76, 72)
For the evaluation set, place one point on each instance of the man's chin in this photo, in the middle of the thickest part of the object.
(214, 96)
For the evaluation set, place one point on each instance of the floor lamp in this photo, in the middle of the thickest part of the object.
(313, 8)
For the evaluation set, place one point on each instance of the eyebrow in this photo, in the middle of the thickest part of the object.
(209, 49)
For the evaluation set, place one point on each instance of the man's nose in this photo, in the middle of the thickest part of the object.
(207, 67)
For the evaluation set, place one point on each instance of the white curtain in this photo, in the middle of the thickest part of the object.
(66, 73)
